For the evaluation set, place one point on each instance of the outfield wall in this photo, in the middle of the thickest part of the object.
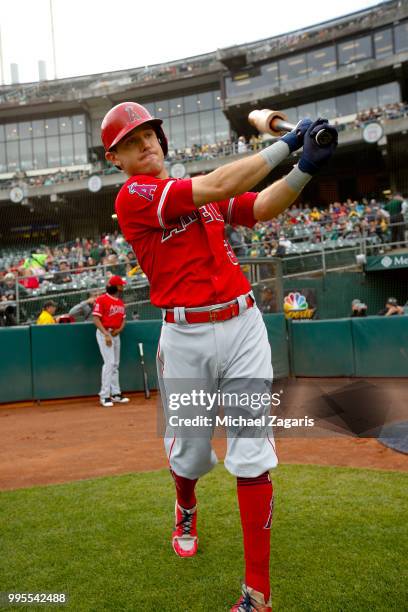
(58, 361)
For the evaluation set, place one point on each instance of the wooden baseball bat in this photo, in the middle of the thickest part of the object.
(142, 363)
(276, 123)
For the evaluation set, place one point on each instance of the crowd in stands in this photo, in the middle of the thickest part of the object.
(61, 264)
(81, 266)
(379, 223)
(396, 110)
(86, 263)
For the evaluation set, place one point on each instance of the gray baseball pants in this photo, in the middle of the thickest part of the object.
(218, 355)
(110, 369)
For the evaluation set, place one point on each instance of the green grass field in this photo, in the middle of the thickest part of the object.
(339, 542)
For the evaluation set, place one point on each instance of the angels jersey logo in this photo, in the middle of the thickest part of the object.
(116, 310)
(145, 191)
(207, 212)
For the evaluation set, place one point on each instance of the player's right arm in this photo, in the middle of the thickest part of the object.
(242, 175)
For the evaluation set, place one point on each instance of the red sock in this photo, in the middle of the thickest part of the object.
(255, 498)
(185, 490)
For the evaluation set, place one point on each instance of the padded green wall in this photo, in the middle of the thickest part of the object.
(15, 364)
(44, 362)
(381, 346)
(322, 348)
(277, 335)
(148, 332)
(67, 361)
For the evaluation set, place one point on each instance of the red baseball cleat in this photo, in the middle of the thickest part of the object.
(252, 601)
(185, 539)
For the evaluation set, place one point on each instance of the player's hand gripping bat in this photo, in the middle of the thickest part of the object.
(142, 363)
(275, 123)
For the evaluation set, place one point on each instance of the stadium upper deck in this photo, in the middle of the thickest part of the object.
(339, 69)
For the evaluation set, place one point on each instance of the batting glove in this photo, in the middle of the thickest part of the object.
(313, 155)
(294, 139)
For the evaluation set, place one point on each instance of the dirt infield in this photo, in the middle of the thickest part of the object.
(64, 440)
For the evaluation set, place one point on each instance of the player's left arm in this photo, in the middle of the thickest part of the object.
(276, 198)
(273, 200)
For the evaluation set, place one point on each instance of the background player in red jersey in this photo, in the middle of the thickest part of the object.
(109, 316)
(212, 330)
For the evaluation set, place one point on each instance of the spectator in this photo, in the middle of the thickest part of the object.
(47, 315)
(394, 208)
(268, 300)
(8, 287)
(28, 281)
(236, 240)
(96, 252)
(8, 316)
(114, 267)
(242, 146)
(358, 309)
(36, 262)
(84, 309)
(90, 262)
(63, 276)
(391, 308)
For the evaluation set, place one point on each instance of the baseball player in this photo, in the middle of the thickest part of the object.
(109, 316)
(212, 329)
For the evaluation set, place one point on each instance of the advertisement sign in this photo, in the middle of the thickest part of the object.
(386, 262)
(299, 303)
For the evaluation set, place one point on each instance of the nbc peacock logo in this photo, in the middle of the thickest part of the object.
(295, 306)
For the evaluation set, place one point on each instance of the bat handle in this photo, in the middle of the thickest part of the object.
(323, 138)
(141, 349)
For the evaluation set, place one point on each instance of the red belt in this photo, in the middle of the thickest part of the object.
(210, 316)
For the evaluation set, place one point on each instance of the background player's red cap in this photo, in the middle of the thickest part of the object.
(125, 117)
(115, 280)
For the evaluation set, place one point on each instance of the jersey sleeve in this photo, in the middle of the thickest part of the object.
(150, 202)
(98, 308)
(239, 210)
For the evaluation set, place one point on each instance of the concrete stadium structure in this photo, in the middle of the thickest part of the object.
(335, 69)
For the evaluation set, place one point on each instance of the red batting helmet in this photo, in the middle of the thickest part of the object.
(125, 117)
(115, 281)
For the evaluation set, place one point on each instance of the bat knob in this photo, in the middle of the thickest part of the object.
(324, 138)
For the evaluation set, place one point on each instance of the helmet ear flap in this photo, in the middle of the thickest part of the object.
(162, 140)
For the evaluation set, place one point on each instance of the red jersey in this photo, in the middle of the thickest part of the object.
(110, 309)
(182, 249)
